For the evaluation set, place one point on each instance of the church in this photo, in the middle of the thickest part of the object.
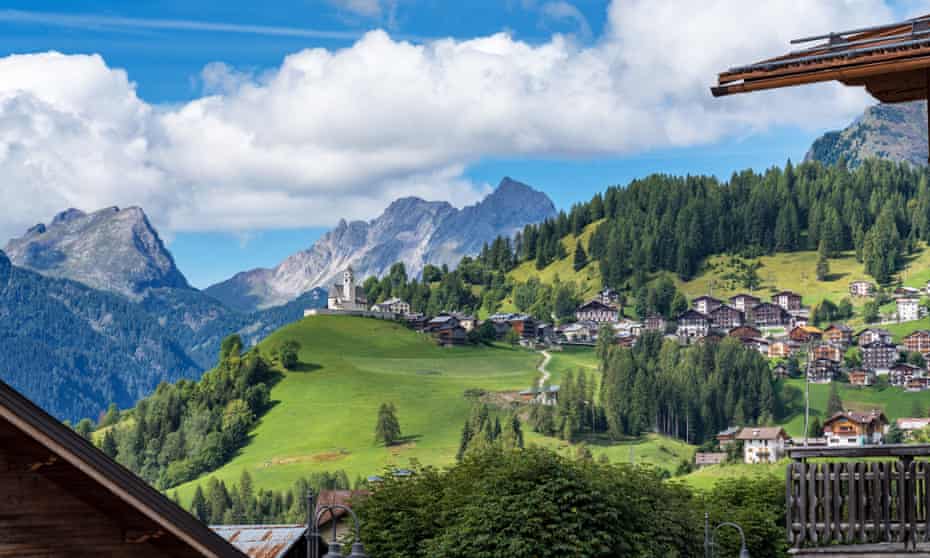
(347, 296)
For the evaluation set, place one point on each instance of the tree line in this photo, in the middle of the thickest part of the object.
(187, 428)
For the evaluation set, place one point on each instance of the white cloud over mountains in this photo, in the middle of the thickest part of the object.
(340, 133)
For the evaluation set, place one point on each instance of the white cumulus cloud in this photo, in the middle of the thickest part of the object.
(340, 133)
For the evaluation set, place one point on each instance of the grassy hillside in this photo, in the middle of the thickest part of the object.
(324, 413)
(589, 278)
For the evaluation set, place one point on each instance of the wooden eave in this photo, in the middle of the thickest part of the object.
(892, 66)
(69, 460)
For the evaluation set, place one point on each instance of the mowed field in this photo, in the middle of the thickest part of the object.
(324, 413)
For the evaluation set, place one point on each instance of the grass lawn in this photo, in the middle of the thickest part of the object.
(572, 359)
(652, 449)
(706, 478)
(324, 413)
(895, 402)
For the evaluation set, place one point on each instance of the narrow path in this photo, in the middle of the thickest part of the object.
(543, 370)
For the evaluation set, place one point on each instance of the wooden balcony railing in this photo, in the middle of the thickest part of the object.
(873, 494)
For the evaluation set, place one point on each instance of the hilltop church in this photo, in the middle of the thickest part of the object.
(347, 296)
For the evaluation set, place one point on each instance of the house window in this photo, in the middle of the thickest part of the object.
(851, 440)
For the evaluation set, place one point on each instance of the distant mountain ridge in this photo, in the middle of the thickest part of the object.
(93, 310)
(413, 231)
(113, 249)
(897, 132)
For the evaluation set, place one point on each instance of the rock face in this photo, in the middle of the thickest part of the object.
(411, 230)
(897, 132)
(111, 250)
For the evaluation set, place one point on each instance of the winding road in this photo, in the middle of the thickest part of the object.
(543, 370)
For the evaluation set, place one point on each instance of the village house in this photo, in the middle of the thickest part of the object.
(597, 311)
(392, 305)
(465, 320)
(903, 372)
(728, 436)
(524, 325)
(908, 309)
(763, 444)
(744, 302)
(851, 429)
(347, 296)
(692, 324)
(861, 288)
(861, 378)
(451, 334)
(705, 304)
(745, 332)
(838, 334)
(767, 314)
(822, 371)
(609, 297)
(919, 383)
(759, 344)
(628, 327)
(579, 332)
(442, 320)
(908, 426)
(910, 292)
(878, 356)
(918, 342)
(788, 300)
(783, 348)
(547, 395)
(725, 317)
(655, 322)
(416, 321)
(805, 334)
(64, 497)
(873, 335)
(827, 351)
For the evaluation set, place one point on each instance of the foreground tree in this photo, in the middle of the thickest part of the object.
(387, 430)
(447, 514)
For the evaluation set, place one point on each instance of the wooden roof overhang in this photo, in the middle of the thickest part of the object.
(68, 460)
(891, 61)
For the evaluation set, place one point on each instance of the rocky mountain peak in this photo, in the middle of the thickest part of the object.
(111, 249)
(897, 132)
(411, 230)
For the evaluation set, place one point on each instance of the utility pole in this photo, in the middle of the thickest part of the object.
(807, 395)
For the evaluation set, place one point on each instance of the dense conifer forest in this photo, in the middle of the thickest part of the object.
(880, 210)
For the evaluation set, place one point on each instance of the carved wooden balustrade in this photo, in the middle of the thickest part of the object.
(873, 494)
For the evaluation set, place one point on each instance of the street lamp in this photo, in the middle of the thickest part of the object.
(711, 534)
(313, 530)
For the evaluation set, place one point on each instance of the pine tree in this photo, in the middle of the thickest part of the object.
(823, 266)
(199, 505)
(108, 444)
(467, 435)
(387, 430)
(581, 258)
(815, 430)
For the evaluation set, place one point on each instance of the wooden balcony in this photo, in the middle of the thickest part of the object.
(868, 502)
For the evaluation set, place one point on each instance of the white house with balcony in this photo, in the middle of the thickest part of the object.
(763, 444)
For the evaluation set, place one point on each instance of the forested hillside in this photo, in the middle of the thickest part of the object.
(879, 211)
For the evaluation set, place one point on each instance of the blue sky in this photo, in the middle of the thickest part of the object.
(164, 47)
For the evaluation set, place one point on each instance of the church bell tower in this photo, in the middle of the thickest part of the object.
(348, 285)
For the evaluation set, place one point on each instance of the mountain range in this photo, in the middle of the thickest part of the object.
(412, 231)
(94, 309)
(897, 132)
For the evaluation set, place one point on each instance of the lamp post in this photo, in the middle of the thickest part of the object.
(711, 534)
(314, 535)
